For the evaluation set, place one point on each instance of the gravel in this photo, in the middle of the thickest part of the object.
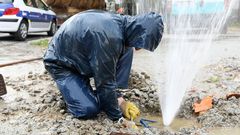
(35, 106)
(143, 92)
(225, 113)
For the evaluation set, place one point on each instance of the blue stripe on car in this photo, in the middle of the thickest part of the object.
(35, 16)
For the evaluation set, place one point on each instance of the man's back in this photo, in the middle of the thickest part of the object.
(91, 42)
(85, 38)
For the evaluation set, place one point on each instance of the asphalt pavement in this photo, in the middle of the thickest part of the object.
(13, 51)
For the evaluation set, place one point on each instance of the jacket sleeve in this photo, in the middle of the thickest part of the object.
(103, 62)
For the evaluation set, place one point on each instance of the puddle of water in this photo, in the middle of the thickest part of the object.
(175, 126)
(188, 123)
(225, 131)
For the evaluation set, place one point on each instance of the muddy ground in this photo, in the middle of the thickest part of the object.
(33, 104)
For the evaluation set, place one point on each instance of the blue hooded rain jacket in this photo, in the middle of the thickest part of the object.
(90, 45)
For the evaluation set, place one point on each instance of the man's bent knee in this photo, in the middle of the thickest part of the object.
(84, 112)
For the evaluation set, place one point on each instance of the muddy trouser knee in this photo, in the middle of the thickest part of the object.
(124, 67)
(76, 91)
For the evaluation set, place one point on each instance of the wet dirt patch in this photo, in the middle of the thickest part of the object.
(35, 106)
(224, 131)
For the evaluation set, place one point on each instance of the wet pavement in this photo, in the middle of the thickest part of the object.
(12, 51)
(153, 63)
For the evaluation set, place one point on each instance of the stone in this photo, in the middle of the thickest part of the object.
(6, 112)
(32, 94)
(48, 99)
(29, 128)
(42, 108)
(62, 111)
(145, 95)
(36, 91)
(137, 92)
(69, 118)
(18, 99)
(61, 104)
(53, 129)
(35, 109)
(30, 76)
(151, 95)
(61, 130)
(13, 108)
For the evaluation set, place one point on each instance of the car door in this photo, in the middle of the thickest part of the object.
(33, 16)
(45, 20)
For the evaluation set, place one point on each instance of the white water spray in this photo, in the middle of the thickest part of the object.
(192, 24)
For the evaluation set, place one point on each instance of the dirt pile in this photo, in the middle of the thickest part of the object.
(225, 113)
(37, 108)
(143, 92)
(221, 79)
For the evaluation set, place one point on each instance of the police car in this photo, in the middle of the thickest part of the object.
(20, 17)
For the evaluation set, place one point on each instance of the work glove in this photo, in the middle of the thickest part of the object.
(130, 110)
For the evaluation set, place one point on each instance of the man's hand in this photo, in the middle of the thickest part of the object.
(129, 109)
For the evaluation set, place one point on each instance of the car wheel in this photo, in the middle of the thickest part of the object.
(22, 32)
(53, 29)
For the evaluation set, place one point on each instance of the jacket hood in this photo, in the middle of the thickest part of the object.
(143, 31)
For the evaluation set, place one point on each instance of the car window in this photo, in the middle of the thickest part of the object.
(6, 1)
(40, 4)
(29, 3)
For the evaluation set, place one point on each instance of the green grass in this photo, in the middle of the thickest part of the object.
(41, 42)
